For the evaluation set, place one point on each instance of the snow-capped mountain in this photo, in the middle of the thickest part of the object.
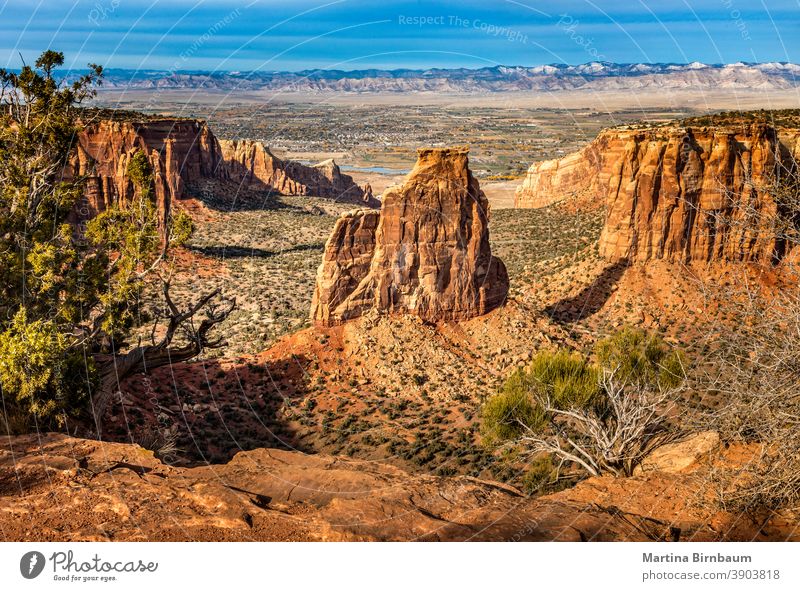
(590, 76)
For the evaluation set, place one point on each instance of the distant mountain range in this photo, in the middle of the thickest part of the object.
(590, 76)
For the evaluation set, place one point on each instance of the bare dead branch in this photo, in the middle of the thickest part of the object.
(148, 357)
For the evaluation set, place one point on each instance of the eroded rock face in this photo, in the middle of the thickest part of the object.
(426, 253)
(251, 163)
(579, 175)
(182, 151)
(678, 193)
(178, 149)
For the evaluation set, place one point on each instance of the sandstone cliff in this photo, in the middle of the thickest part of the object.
(679, 193)
(426, 253)
(251, 163)
(179, 150)
(183, 151)
(579, 176)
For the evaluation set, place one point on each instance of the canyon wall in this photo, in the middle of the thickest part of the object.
(178, 150)
(579, 176)
(426, 253)
(182, 151)
(251, 163)
(680, 193)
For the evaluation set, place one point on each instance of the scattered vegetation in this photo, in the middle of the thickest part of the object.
(70, 292)
(775, 117)
(71, 297)
(603, 416)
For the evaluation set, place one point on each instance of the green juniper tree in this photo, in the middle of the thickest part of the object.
(69, 295)
(603, 416)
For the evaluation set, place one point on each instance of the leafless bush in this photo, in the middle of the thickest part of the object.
(616, 441)
(603, 417)
(757, 372)
(163, 442)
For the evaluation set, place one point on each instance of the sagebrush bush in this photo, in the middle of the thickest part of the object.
(507, 414)
(638, 356)
(566, 377)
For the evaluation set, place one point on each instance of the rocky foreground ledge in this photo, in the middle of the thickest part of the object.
(58, 488)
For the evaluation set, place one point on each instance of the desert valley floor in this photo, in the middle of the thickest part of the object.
(366, 425)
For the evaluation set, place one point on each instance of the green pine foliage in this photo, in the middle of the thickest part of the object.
(562, 392)
(64, 290)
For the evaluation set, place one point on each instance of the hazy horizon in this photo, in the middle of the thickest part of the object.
(112, 70)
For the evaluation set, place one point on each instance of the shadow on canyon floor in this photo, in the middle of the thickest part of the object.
(591, 298)
(228, 196)
(207, 411)
(248, 252)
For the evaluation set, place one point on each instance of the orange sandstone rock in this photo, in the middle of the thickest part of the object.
(251, 163)
(183, 151)
(677, 193)
(426, 253)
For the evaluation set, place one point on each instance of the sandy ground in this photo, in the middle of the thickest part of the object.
(600, 100)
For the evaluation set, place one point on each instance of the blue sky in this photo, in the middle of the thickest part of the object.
(355, 34)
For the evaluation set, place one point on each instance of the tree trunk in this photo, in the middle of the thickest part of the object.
(115, 368)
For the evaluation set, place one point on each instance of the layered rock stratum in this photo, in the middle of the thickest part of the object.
(185, 151)
(178, 150)
(680, 193)
(425, 253)
(251, 163)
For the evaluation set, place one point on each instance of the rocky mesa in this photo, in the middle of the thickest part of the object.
(425, 253)
(681, 193)
(251, 163)
(185, 151)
